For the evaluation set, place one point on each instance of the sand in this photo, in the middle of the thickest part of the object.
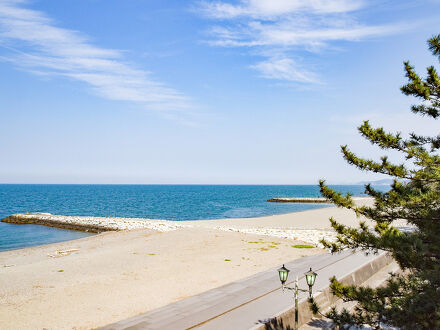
(101, 279)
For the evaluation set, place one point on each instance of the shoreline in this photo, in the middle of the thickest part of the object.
(288, 225)
(283, 229)
(98, 224)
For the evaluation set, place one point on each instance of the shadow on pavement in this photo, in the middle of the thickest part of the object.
(275, 324)
(319, 324)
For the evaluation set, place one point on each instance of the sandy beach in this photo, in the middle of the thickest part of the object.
(101, 279)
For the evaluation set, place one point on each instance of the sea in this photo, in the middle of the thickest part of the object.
(171, 202)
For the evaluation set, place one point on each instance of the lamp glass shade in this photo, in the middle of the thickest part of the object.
(284, 273)
(310, 277)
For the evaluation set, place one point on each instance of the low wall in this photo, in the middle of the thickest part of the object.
(325, 299)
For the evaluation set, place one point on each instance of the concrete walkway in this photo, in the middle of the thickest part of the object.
(251, 302)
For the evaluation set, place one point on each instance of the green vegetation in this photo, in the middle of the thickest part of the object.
(302, 246)
(61, 270)
(410, 299)
(227, 259)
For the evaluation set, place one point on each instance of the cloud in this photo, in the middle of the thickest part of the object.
(266, 9)
(287, 27)
(37, 45)
(284, 69)
(289, 32)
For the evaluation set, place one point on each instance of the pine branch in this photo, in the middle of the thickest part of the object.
(422, 140)
(379, 137)
(385, 167)
(434, 45)
(416, 86)
(426, 110)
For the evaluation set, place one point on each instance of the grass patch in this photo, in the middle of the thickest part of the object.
(61, 270)
(151, 254)
(227, 259)
(264, 249)
(302, 246)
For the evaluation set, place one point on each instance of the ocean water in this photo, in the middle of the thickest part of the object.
(172, 202)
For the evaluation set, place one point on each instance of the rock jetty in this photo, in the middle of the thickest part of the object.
(92, 224)
(300, 200)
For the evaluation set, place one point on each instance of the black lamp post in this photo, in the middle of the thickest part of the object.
(310, 276)
(310, 279)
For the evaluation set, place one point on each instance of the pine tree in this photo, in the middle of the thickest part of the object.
(410, 299)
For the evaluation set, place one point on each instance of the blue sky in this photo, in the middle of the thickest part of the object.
(223, 92)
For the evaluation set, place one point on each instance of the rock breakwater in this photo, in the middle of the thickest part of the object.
(91, 224)
(312, 200)
(299, 200)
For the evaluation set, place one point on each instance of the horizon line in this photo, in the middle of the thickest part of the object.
(191, 184)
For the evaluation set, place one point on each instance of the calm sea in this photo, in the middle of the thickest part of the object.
(172, 202)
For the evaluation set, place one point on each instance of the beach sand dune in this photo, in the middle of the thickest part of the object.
(101, 279)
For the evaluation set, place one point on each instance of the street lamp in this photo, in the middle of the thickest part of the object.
(310, 276)
(284, 273)
(310, 279)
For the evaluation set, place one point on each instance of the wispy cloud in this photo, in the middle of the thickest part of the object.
(286, 26)
(39, 46)
(284, 69)
(273, 8)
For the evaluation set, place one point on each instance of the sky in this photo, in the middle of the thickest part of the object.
(204, 92)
